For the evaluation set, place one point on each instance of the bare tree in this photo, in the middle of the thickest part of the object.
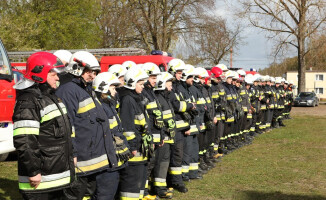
(290, 22)
(211, 39)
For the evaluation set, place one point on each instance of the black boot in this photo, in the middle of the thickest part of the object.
(281, 122)
(202, 165)
(208, 161)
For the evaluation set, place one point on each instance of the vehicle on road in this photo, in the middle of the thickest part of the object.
(306, 99)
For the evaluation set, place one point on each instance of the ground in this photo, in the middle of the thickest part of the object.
(284, 164)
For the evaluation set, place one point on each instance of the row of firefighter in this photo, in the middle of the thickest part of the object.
(133, 132)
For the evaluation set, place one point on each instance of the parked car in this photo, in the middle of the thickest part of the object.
(306, 99)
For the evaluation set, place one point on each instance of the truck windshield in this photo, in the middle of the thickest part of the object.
(5, 68)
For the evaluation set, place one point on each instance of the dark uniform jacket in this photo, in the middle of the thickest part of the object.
(93, 145)
(163, 97)
(115, 124)
(231, 102)
(180, 106)
(42, 138)
(154, 111)
(134, 119)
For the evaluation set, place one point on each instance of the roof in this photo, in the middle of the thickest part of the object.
(310, 71)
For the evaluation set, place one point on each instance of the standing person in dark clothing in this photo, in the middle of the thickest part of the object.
(42, 131)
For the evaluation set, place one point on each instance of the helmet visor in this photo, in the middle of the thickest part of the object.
(59, 70)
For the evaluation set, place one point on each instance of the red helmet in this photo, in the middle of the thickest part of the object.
(40, 64)
(216, 72)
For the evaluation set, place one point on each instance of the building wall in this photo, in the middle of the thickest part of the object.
(312, 82)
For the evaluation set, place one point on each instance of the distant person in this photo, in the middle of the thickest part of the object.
(42, 131)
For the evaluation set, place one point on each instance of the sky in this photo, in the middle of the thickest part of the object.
(255, 52)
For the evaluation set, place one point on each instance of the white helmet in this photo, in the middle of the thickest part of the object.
(229, 74)
(257, 77)
(202, 72)
(222, 67)
(128, 64)
(80, 60)
(63, 55)
(162, 79)
(235, 75)
(175, 65)
(291, 82)
(151, 69)
(104, 80)
(134, 75)
(278, 80)
(241, 72)
(272, 79)
(286, 82)
(118, 70)
(249, 79)
(283, 80)
(189, 71)
(267, 78)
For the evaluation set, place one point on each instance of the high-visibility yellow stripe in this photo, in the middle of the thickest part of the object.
(129, 135)
(140, 122)
(181, 124)
(26, 131)
(183, 106)
(175, 170)
(151, 105)
(121, 151)
(129, 196)
(92, 167)
(159, 184)
(193, 166)
(221, 93)
(167, 116)
(86, 108)
(53, 115)
(45, 185)
(137, 159)
(113, 124)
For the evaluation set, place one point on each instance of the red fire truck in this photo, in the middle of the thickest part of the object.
(8, 77)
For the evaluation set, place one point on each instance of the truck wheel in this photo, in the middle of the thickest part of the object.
(3, 157)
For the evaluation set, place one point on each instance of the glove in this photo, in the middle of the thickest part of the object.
(209, 125)
(171, 130)
(158, 121)
(121, 149)
(186, 116)
(147, 147)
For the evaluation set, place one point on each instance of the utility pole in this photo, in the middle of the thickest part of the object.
(231, 51)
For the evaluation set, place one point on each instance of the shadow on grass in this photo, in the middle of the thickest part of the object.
(9, 189)
(259, 195)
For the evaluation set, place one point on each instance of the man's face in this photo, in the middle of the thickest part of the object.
(229, 80)
(190, 80)
(112, 90)
(152, 80)
(277, 84)
(122, 81)
(255, 83)
(89, 75)
(178, 75)
(247, 86)
(139, 86)
(168, 85)
(52, 79)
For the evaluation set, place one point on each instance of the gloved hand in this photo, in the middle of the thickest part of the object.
(158, 121)
(172, 133)
(121, 149)
(171, 130)
(186, 116)
(209, 125)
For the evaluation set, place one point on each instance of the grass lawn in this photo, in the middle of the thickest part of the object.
(285, 164)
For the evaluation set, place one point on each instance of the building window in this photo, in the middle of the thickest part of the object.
(319, 77)
(319, 90)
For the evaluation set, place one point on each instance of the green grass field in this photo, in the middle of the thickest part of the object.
(285, 164)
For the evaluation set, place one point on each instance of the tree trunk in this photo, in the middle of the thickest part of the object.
(301, 66)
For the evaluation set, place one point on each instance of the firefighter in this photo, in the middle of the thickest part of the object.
(275, 105)
(280, 101)
(119, 71)
(219, 98)
(230, 112)
(181, 109)
(155, 118)
(163, 89)
(93, 151)
(209, 117)
(290, 92)
(135, 126)
(42, 131)
(64, 56)
(104, 86)
(190, 145)
(247, 108)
